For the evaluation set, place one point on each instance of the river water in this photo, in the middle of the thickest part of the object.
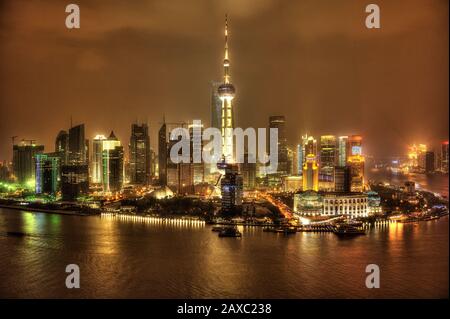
(153, 259)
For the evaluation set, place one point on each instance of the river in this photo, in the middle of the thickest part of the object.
(155, 259)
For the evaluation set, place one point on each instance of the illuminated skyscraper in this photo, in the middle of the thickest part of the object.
(328, 154)
(310, 174)
(139, 154)
(354, 145)
(112, 159)
(342, 150)
(231, 186)
(226, 93)
(47, 173)
(356, 163)
(279, 122)
(97, 153)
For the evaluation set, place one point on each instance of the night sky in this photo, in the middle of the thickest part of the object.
(312, 61)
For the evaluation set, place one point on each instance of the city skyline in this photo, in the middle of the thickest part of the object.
(103, 84)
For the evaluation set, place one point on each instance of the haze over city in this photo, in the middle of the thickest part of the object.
(313, 61)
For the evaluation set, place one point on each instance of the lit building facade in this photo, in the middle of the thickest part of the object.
(47, 173)
(231, 186)
(342, 150)
(351, 205)
(310, 174)
(112, 162)
(328, 154)
(97, 164)
(356, 164)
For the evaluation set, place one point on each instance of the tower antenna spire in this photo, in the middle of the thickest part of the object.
(226, 61)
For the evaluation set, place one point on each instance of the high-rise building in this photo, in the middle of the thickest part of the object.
(299, 159)
(231, 186)
(62, 146)
(74, 181)
(24, 167)
(139, 154)
(328, 154)
(226, 92)
(342, 150)
(77, 145)
(444, 157)
(429, 162)
(309, 146)
(162, 154)
(279, 122)
(354, 145)
(310, 174)
(97, 164)
(342, 179)
(356, 163)
(248, 171)
(112, 158)
(47, 173)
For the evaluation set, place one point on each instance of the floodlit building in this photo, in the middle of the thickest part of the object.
(310, 174)
(112, 159)
(328, 154)
(356, 163)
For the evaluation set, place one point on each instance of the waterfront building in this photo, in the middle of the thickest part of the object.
(226, 92)
(62, 146)
(77, 145)
(139, 155)
(356, 163)
(231, 186)
(310, 174)
(342, 179)
(342, 150)
(113, 164)
(374, 203)
(74, 181)
(444, 157)
(97, 164)
(24, 167)
(328, 154)
(429, 162)
(351, 205)
(47, 173)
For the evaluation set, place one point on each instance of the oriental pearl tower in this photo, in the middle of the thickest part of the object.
(226, 92)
